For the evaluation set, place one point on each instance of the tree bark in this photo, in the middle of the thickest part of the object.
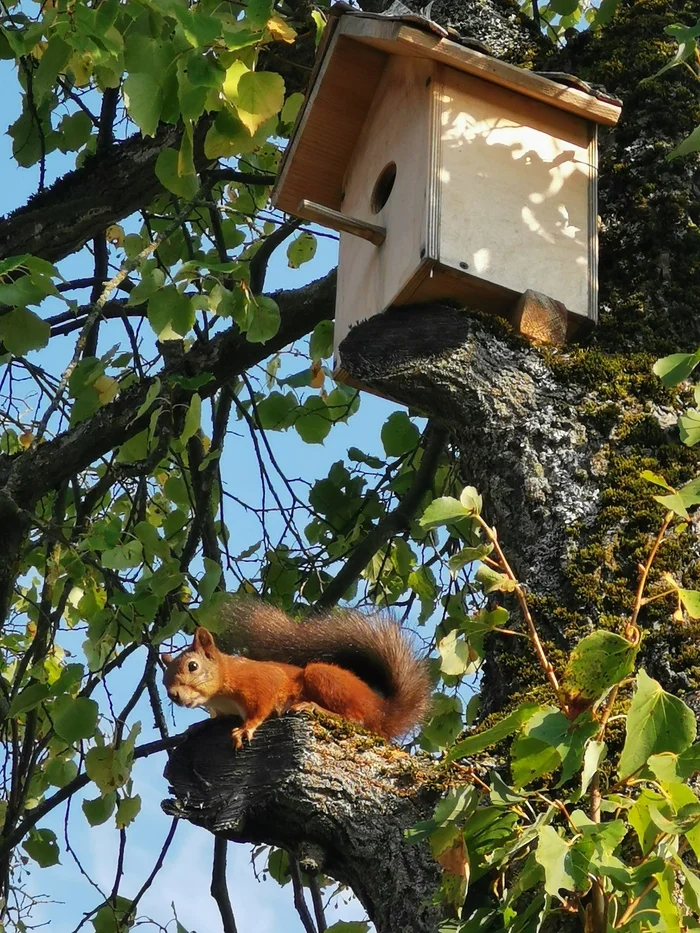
(337, 800)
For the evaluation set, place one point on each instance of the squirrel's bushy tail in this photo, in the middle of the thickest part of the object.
(372, 647)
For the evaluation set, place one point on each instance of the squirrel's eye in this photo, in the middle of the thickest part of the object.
(192, 666)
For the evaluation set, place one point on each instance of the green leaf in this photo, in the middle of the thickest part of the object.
(598, 661)
(301, 250)
(143, 97)
(193, 419)
(321, 343)
(275, 411)
(605, 12)
(75, 129)
(260, 95)
(454, 654)
(313, 423)
(656, 479)
(75, 719)
(676, 367)
(21, 330)
(210, 580)
(467, 556)
(123, 556)
(264, 320)
(127, 811)
(689, 145)
(53, 62)
(674, 503)
(205, 70)
(507, 726)
(110, 918)
(60, 772)
(108, 767)
(348, 926)
(399, 434)
(100, 809)
(563, 8)
(171, 313)
(292, 106)
(492, 581)
(594, 753)
(656, 722)
(28, 699)
(41, 846)
(555, 855)
(471, 500)
(691, 602)
(548, 739)
(168, 174)
(442, 511)
(689, 427)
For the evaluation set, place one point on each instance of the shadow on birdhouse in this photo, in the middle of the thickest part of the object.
(450, 175)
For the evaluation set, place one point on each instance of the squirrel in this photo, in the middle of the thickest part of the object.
(357, 666)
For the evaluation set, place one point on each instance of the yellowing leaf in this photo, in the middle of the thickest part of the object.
(260, 95)
(281, 30)
(234, 73)
(106, 388)
(115, 234)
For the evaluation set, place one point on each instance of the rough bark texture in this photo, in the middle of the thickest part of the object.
(339, 802)
(557, 440)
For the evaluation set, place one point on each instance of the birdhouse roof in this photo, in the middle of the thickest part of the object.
(346, 75)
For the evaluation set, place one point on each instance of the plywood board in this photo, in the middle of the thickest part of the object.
(327, 132)
(397, 130)
(516, 183)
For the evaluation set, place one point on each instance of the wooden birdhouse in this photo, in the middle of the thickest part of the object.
(449, 174)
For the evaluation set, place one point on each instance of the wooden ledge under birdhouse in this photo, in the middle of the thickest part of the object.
(450, 175)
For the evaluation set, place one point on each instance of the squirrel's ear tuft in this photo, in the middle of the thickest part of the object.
(203, 641)
(166, 658)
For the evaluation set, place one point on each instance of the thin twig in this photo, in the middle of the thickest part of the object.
(299, 901)
(634, 903)
(219, 888)
(631, 632)
(525, 609)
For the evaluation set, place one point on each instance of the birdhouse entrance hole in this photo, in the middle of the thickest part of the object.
(383, 187)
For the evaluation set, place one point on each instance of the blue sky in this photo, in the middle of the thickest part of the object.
(260, 907)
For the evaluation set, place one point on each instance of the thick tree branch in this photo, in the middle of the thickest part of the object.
(79, 206)
(300, 786)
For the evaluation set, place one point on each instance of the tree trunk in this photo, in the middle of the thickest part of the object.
(556, 440)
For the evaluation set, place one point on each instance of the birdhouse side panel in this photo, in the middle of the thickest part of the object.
(388, 184)
(517, 192)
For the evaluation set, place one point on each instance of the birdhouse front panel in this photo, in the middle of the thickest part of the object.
(387, 184)
(517, 194)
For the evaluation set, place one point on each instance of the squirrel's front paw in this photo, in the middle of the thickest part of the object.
(241, 734)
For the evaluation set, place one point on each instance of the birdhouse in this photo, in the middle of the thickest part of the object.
(448, 173)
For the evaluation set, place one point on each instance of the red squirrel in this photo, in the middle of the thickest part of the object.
(357, 666)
